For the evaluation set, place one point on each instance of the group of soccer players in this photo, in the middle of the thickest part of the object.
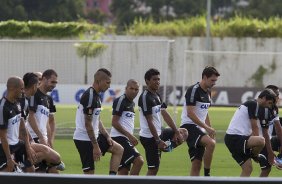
(27, 126)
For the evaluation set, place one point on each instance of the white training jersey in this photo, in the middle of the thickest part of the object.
(150, 104)
(268, 117)
(39, 103)
(90, 105)
(124, 108)
(10, 119)
(196, 96)
(240, 123)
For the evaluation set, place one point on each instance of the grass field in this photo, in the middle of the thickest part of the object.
(174, 163)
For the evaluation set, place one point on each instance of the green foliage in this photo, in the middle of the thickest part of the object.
(196, 26)
(20, 29)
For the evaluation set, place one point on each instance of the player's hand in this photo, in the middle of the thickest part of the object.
(43, 141)
(110, 141)
(133, 140)
(96, 152)
(162, 145)
(210, 131)
(10, 165)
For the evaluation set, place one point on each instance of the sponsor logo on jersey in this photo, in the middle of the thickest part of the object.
(205, 106)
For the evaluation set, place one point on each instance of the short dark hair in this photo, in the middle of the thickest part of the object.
(209, 71)
(268, 94)
(274, 88)
(30, 79)
(104, 70)
(48, 73)
(151, 72)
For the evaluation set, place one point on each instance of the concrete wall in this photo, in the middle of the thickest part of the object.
(130, 60)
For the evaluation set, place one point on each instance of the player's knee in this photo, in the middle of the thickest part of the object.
(118, 149)
(261, 141)
(139, 161)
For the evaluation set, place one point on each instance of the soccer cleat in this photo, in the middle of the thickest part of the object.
(169, 146)
(61, 166)
(278, 163)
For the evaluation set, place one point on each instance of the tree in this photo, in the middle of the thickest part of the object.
(89, 50)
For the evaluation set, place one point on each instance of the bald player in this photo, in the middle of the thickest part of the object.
(13, 151)
(90, 137)
(123, 129)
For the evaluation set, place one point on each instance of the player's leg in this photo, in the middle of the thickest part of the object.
(85, 150)
(137, 165)
(263, 162)
(255, 144)
(247, 168)
(152, 155)
(115, 149)
(209, 144)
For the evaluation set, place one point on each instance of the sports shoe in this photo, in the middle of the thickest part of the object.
(17, 169)
(61, 166)
(169, 147)
(278, 163)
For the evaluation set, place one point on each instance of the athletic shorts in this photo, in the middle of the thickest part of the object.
(20, 156)
(85, 150)
(196, 151)
(237, 145)
(263, 162)
(129, 154)
(153, 154)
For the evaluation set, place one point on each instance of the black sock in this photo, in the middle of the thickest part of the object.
(112, 173)
(207, 172)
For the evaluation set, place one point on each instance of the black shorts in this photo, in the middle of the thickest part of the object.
(20, 156)
(264, 162)
(153, 154)
(196, 151)
(129, 154)
(85, 149)
(275, 143)
(237, 147)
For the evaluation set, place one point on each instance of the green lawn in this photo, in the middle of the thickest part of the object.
(175, 163)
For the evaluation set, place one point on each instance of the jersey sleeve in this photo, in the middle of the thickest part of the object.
(88, 102)
(190, 97)
(32, 101)
(52, 106)
(252, 109)
(4, 118)
(118, 106)
(145, 104)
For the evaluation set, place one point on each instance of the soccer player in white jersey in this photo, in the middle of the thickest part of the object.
(268, 120)
(90, 136)
(242, 136)
(152, 136)
(196, 120)
(123, 129)
(12, 126)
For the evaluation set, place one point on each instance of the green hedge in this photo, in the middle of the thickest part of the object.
(196, 26)
(38, 29)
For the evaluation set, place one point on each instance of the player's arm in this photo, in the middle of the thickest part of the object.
(278, 130)
(171, 124)
(105, 133)
(4, 142)
(254, 126)
(270, 152)
(161, 144)
(119, 127)
(24, 135)
(33, 123)
(90, 132)
(52, 125)
(208, 122)
(191, 114)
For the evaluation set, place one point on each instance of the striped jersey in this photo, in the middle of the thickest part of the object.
(150, 104)
(90, 104)
(39, 103)
(267, 117)
(124, 108)
(10, 118)
(196, 96)
(240, 123)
